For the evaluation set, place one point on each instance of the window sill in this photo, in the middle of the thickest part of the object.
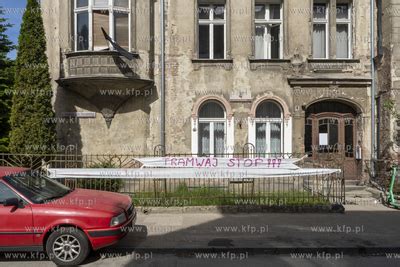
(333, 65)
(97, 53)
(270, 64)
(323, 60)
(227, 64)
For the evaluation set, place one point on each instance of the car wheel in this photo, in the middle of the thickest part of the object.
(67, 246)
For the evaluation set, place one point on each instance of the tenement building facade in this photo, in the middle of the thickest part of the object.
(268, 76)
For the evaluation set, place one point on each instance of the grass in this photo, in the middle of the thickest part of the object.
(202, 196)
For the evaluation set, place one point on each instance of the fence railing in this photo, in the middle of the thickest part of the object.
(274, 191)
(280, 191)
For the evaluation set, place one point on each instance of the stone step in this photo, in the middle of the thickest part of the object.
(349, 188)
(359, 194)
(351, 182)
(367, 201)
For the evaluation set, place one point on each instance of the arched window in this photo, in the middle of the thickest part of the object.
(212, 129)
(269, 128)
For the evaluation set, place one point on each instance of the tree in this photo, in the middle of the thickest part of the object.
(32, 116)
(6, 81)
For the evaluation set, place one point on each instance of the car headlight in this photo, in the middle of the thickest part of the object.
(117, 220)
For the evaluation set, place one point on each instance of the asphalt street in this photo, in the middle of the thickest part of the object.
(362, 236)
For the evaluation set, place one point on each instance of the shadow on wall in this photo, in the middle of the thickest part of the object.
(69, 102)
(68, 129)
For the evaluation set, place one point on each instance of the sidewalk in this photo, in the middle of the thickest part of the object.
(365, 228)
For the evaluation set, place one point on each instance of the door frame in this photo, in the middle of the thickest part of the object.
(341, 117)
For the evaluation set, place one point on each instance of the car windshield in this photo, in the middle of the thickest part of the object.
(37, 187)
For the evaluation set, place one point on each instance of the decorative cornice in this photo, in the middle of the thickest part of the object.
(318, 82)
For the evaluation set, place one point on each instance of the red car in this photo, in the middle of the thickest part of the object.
(40, 214)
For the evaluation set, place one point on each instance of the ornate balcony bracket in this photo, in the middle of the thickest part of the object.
(105, 79)
(108, 94)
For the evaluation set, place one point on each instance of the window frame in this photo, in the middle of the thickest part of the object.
(268, 122)
(212, 122)
(349, 23)
(324, 22)
(328, 121)
(267, 22)
(211, 22)
(111, 8)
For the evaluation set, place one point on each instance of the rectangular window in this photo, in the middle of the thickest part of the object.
(343, 31)
(114, 16)
(349, 138)
(212, 31)
(268, 31)
(81, 3)
(100, 3)
(204, 139)
(204, 38)
(268, 138)
(82, 31)
(121, 29)
(211, 139)
(320, 30)
(219, 139)
(121, 3)
(100, 20)
(276, 132)
(328, 135)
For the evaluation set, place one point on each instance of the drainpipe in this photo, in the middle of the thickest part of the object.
(379, 55)
(373, 141)
(162, 82)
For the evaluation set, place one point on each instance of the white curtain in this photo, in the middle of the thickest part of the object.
(319, 41)
(204, 138)
(260, 43)
(342, 41)
(219, 138)
(276, 137)
(261, 142)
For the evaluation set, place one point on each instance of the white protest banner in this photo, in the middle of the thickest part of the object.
(211, 162)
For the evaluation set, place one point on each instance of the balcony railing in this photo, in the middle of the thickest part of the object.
(99, 64)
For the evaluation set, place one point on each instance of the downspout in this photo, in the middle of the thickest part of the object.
(162, 82)
(373, 141)
(379, 55)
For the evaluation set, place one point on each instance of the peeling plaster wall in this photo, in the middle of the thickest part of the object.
(188, 80)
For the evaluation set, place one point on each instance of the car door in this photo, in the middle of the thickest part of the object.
(16, 224)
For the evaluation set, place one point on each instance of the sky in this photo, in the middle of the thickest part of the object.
(13, 12)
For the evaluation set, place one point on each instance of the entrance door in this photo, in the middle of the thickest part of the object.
(330, 137)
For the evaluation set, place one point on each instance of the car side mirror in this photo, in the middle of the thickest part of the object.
(12, 202)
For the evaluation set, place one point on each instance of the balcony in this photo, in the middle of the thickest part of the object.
(101, 66)
(105, 78)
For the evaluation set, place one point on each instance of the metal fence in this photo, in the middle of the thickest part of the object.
(279, 191)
